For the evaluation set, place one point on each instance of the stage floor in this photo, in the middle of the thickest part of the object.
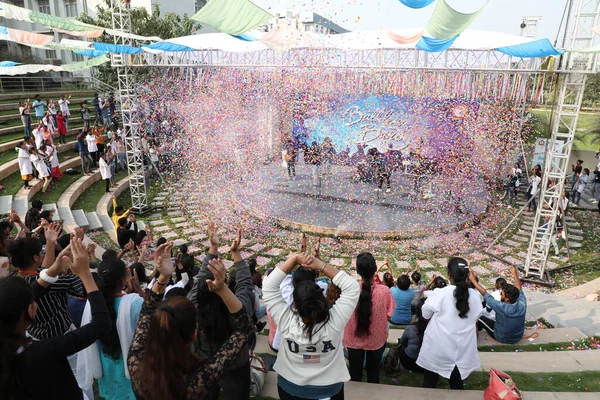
(340, 206)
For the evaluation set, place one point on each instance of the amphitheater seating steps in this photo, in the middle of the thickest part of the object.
(93, 221)
(80, 219)
(5, 204)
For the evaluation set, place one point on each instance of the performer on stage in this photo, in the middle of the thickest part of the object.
(313, 157)
(381, 169)
(290, 158)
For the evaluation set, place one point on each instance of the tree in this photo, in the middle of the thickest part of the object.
(143, 23)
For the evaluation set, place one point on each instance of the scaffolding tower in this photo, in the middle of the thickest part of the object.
(121, 20)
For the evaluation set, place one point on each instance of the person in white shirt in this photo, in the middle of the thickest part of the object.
(310, 362)
(449, 345)
(535, 181)
(43, 173)
(497, 295)
(105, 171)
(63, 104)
(54, 164)
(92, 146)
(38, 135)
(25, 166)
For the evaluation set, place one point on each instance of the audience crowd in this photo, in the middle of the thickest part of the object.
(187, 332)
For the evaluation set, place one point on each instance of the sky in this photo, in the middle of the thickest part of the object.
(359, 15)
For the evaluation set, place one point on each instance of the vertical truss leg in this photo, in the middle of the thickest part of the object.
(121, 20)
(556, 169)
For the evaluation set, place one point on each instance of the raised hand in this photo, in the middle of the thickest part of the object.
(129, 246)
(61, 263)
(14, 216)
(318, 249)
(133, 283)
(235, 245)
(213, 237)
(79, 233)
(303, 243)
(162, 259)
(217, 268)
(52, 232)
(81, 262)
(91, 248)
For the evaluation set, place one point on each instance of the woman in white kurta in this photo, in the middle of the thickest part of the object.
(450, 342)
(92, 146)
(54, 164)
(25, 166)
(105, 171)
(38, 162)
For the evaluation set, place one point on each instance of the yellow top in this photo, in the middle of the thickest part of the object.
(115, 218)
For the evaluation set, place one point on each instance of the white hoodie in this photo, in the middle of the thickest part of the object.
(320, 361)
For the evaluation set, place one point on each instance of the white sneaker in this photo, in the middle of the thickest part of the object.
(377, 190)
(388, 190)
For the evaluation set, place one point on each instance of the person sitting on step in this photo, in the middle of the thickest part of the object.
(509, 326)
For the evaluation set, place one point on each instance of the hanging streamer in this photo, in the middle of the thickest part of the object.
(416, 3)
(446, 22)
(433, 45)
(232, 16)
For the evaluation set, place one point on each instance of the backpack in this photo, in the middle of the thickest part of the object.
(391, 362)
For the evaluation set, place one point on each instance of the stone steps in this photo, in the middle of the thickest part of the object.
(6, 204)
(94, 222)
(80, 219)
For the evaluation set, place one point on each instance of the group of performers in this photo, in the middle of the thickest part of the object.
(371, 165)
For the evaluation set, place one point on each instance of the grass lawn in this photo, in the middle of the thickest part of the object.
(11, 184)
(585, 381)
(7, 156)
(588, 129)
(9, 137)
(90, 198)
(56, 189)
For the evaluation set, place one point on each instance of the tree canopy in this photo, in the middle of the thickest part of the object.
(167, 26)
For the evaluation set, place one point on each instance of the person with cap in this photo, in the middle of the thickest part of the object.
(449, 346)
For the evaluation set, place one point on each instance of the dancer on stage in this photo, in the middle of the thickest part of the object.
(381, 169)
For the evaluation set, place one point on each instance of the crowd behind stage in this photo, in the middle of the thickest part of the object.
(69, 320)
(100, 143)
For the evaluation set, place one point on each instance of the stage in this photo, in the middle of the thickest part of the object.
(336, 204)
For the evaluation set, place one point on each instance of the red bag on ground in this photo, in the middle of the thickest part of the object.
(501, 387)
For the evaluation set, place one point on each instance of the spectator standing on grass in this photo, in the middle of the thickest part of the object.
(97, 102)
(509, 326)
(366, 333)
(85, 115)
(25, 166)
(38, 135)
(86, 160)
(106, 114)
(38, 106)
(63, 104)
(121, 154)
(449, 345)
(25, 113)
(54, 164)
(105, 171)
(577, 169)
(62, 127)
(92, 146)
(37, 160)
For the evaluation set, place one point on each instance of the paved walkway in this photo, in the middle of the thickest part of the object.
(362, 391)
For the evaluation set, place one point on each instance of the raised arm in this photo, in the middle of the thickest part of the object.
(516, 278)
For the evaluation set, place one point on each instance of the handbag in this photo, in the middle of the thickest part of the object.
(258, 372)
(501, 387)
(391, 362)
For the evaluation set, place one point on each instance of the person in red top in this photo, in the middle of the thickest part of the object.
(367, 331)
(62, 127)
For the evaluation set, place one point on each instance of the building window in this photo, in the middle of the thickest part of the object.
(307, 28)
(71, 8)
(50, 54)
(44, 6)
(77, 57)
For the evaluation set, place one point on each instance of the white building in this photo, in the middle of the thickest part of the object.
(61, 8)
(305, 22)
(178, 7)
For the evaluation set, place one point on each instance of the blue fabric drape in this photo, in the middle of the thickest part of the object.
(535, 49)
(167, 46)
(416, 3)
(245, 37)
(8, 63)
(433, 45)
(114, 48)
(3, 30)
(90, 53)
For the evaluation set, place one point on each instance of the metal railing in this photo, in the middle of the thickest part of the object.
(10, 84)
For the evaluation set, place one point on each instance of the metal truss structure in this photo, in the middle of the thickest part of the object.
(556, 166)
(121, 20)
(571, 70)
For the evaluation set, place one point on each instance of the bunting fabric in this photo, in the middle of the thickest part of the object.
(283, 34)
(232, 16)
(34, 68)
(90, 53)
(537, 48)
(446, 22)
(8, 63)
(416, 3)
(433, 45)
(405, 39)
(589, 50)
(116, 48)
